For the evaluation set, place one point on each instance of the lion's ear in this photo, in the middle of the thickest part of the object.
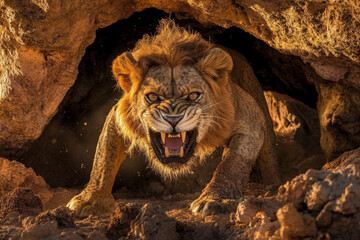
(126, 71)
(217, 65)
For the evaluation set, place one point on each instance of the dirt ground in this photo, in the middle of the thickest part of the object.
(138, 216)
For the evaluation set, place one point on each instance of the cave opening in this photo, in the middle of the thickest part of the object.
(64, 153)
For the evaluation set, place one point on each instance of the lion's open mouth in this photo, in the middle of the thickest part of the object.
(177, 147)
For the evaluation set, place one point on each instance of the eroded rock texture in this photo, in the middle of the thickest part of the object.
(297, 133)
(15, 175)
(121, 219)
(62, 215)
(42, 43)
(19, 201)
(339, 111)
(151, 223)
(317, 204)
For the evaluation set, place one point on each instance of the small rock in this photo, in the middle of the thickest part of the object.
(292, 223)
(248, 209)
(120, 220)
(263, 229)
(266, 231)
(62, 215)
(153, 224)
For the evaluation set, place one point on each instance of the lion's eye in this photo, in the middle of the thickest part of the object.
(193, 96)
(153, 97)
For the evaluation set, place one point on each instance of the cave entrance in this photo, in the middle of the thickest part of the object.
(63, 154)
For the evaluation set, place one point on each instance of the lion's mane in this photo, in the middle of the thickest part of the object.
(173, 46)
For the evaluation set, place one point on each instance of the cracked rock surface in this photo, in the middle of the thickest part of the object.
(320, 204)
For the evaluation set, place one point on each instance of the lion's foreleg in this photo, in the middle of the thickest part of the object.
(96, 198)
(231, 176)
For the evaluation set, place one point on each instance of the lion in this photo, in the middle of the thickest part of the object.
(180, 103)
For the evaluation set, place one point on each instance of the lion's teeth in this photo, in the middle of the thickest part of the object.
(174, 136)
(167, 153)
(181, 152)
(163, 137)
(183, 135)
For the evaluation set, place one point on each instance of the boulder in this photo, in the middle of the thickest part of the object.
(297, 131)
(322, 203)
(339, 113)
(14, 175)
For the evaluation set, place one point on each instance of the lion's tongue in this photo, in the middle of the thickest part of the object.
(173, 143)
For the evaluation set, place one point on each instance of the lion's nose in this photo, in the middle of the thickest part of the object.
(173, 120)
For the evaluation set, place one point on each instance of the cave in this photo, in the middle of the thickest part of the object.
(71, 136)
(57, 87)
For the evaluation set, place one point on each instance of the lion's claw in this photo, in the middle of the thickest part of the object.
(85, 205)
(206, 205)
(206, 208)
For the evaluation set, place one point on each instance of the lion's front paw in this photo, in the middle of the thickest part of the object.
(207, 205)
(87, 203)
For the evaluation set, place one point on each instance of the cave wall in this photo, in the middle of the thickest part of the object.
(43, 42)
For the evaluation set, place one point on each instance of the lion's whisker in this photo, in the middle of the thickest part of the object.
(207, 124)
(211, 121)
(210, 105)
(213, 116)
